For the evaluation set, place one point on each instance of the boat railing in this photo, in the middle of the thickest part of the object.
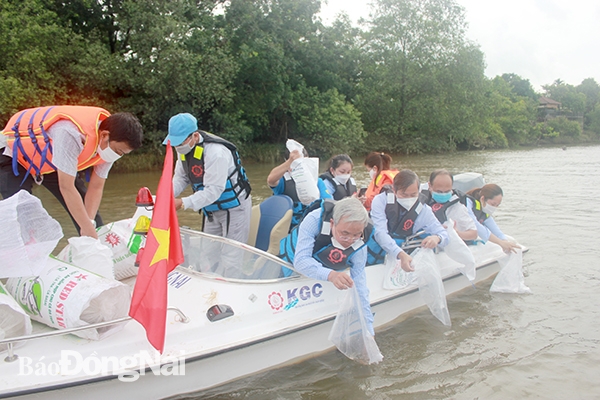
(181, 317)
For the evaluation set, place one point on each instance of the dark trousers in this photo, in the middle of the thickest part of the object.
(11, 184)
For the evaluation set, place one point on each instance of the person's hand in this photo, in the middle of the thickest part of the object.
(430, 242)
(178, 204)
(340, 280)
(405, 260)
(508, 246)
(89, 230)
(294, 155)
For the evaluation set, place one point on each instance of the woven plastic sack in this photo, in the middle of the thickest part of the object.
(305, 173)
(431, 286)
(350, 332)
(88, 253)
(63, 296)
(27, 237)
(510, 279)
(14, 321)
(458, 251)
(122, 242)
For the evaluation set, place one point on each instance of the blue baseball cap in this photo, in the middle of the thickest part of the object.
(180, 127)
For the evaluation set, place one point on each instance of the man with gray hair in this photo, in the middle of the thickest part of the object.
(329, 241)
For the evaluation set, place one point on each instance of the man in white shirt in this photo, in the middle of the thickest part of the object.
(447, 203)
(80, 137)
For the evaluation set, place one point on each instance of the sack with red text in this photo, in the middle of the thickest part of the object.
(119, 238)
(64, 296)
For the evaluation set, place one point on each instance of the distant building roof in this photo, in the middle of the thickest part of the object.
(548, 101)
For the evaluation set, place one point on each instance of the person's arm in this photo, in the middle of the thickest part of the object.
(463, 223)
(74, 203)
(277, 172)
(329, 187)
(426, 220)
(180, 178)
(382, 237)
(506, 245)
(93, 196)
(490, 223)
(323, 190)
(218, 163)
(358, 261)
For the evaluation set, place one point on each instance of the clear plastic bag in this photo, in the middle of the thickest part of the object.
(395, 277)
(430, 283)
(28, 235)
(510, 279)
(458, 251)
(350, 332)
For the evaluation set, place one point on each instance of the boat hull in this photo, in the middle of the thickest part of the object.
(275, 322)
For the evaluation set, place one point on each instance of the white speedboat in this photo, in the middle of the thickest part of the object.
(231, 315)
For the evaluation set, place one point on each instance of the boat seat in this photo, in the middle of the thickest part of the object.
(270, 222)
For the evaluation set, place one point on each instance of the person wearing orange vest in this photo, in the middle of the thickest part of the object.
(378, 165)
(50, 145)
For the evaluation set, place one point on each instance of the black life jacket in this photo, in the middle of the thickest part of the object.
(323, 249)
(341, 191)
(477, 210)
(399, 227)
(439, 209)
(193, 164)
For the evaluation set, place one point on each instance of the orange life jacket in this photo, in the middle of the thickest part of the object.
(27, 136)
(385, 177)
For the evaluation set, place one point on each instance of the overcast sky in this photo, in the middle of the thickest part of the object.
(540, 40)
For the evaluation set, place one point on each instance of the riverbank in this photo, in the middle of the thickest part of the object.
(267, 153)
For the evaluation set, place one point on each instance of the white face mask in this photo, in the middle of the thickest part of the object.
(372, 173)
(407, 203)
(108, 154)
(488, 209)
(342, 178)
(184, 148)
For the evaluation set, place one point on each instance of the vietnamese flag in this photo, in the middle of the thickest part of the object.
(162, 253)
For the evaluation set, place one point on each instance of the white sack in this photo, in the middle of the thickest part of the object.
(88, 253)
(122, 242)
(458, 251)
(430, 283)
(350, 332)
(64, 296)
(14, 321)
(305, 173)
(27, 237)
(510, 278)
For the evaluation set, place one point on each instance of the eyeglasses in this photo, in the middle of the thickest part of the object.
(348, 236)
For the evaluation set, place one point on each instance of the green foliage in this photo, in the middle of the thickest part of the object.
(259, 71)
(326, 123)
(564, 127)
(571, 99)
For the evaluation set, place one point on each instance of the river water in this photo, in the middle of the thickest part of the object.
(544, 345)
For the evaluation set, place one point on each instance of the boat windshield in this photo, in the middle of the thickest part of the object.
(222, 257)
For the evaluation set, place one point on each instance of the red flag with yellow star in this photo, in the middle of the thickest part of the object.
(162, 253)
